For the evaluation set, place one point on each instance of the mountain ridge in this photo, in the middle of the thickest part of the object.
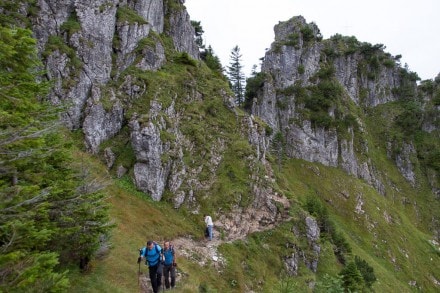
(163, 123)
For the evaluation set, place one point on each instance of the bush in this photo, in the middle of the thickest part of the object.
(71, 26)
(366, 271)
(254, 85)
(352, 278)
(307, 34)
(184, 58)
(125, 14)
(329, 284)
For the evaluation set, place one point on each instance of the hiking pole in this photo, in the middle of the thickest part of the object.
(139, 263)
(139, 272)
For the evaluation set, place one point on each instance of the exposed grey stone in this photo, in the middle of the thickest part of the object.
(313, 233)
(312, 229)
(404, 162)
(304, 141)
(292, 264)
(99, 124)
(121, 171)
(149, 173)
(109, 157)
(152, 11)
(183, 33)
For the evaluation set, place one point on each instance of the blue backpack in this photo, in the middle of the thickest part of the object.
(143, 252)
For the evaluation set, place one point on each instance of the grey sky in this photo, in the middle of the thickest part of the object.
(409, 28)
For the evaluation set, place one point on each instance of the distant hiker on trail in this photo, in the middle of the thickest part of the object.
(170, 264)
(209, 226)
(153, 255)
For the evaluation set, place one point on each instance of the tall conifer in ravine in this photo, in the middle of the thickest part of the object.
(236, 75)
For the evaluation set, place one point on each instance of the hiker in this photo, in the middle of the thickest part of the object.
(169, 265)
(209, 226)
(153, 255)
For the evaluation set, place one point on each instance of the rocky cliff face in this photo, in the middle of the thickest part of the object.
(101, 56)
(88, 44)
(303, 73)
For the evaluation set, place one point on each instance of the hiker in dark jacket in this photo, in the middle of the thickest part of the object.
(170, 264)
(153, 255)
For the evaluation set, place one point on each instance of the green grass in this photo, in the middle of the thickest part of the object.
(398, 250)
(256, 262)
(391, 235)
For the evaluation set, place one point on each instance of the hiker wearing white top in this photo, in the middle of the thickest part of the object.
(209, 226)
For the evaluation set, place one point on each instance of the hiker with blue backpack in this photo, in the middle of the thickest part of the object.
(169, 269)
(152, 253)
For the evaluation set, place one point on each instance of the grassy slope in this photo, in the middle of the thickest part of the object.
(256, 263)
(391, 235)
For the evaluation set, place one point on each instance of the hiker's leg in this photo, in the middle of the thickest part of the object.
(159, 280)
(210, 232)
(173, 276)
(153, 279)
(166, 274)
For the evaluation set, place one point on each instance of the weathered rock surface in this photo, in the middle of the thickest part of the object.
(295, 58)
(94, 37)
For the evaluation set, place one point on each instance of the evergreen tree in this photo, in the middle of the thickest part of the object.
(236, 76)
(44, 211)
(254, 85)
(366, 270)
(207, 55)
(352, 278)
(329, 284)
(198, 32)
(211, 60)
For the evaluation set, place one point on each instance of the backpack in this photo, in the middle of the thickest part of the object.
(160, 252)
(171, 248)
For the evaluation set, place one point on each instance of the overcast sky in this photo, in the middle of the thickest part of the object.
(409, 28)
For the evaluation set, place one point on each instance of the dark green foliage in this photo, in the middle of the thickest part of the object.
(254, 86)
(184, 58)
(319, 211)
(436, 97)
(329, 284)
(286, 285)
(56, 43)
(307, 34)
(321, 98)
(366, 271)
(12, 12)
(410, 119)
(125, 14)
(341, 246)
(198, 31)
(389, 63)
(352, 278)
(339, 45)
(211, 60)
(350, 120)
(315, 208)
(428, 150)
(292, 40)
(407, 89)
(236, 75)
(368, 50)
(71, 26)
(45, 210)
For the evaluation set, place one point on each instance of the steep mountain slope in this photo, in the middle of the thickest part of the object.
(348, 104)
(338, 159)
